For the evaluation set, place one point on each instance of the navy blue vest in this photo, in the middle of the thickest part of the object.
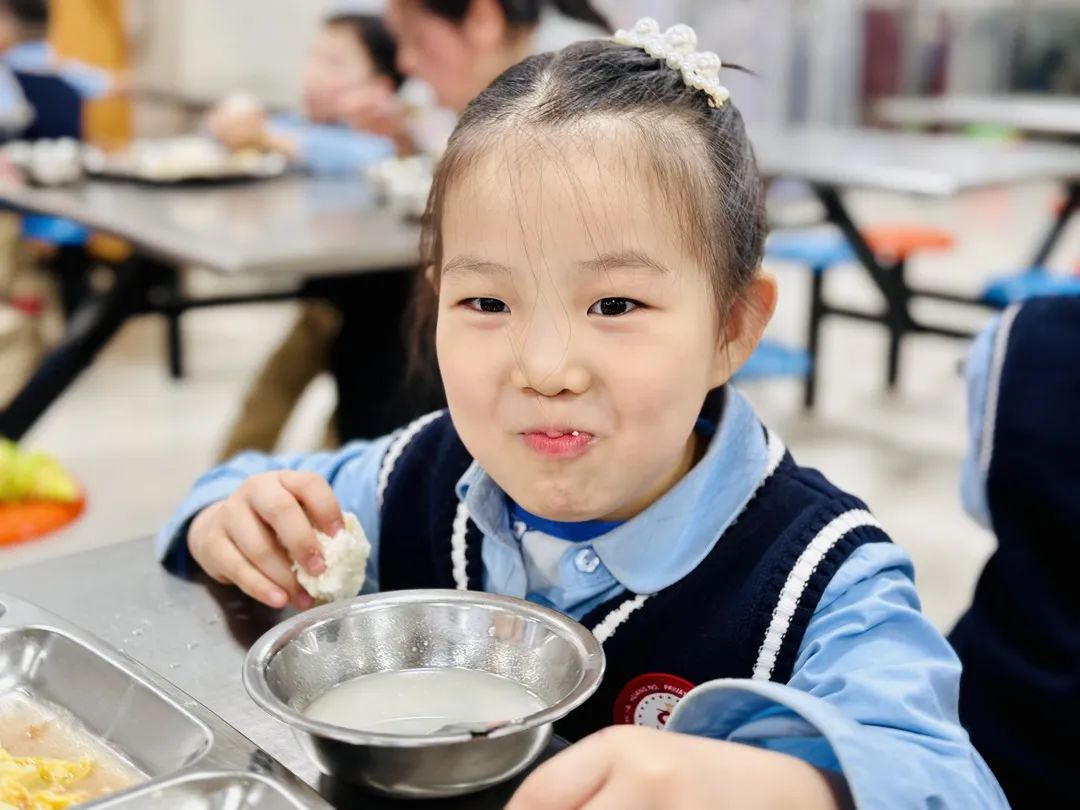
(724, 619)
(1020, 641)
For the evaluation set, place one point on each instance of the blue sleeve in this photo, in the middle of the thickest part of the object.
(352, 471)
(89, 81)
(978, 372)
(873, 697)
(330, 148)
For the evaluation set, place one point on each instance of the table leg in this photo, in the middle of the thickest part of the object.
(890, 281)
(813, 334)
(896, 325)
(1072, 202)
(92, 324)
(72, 268)
(175, 345)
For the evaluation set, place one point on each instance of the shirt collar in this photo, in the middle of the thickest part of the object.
(668, 540)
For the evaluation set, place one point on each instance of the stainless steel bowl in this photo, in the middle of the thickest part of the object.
(299, 660)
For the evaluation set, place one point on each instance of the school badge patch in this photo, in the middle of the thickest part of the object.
(649, 699)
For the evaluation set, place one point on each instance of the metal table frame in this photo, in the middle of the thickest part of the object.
(829, 178)
(892, 282)
(147, 282)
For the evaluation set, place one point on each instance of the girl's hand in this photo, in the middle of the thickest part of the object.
(632, 768)
(251, 539)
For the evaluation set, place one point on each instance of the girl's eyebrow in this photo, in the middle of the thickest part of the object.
(466, 264)
(604, 263)
(623, 260)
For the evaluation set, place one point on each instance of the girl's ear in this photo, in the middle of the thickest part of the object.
(748, 316)
(429, 274)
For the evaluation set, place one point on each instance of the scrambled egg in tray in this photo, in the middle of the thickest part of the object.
(39, 783)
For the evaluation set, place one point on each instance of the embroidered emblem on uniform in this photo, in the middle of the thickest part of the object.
(648, 700)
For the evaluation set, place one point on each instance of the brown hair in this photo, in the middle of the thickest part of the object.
(521, 13)
(700, 157)
(373, 35)
(32, 16)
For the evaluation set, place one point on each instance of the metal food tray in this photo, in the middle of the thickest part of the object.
(226, 176)
(193, 760)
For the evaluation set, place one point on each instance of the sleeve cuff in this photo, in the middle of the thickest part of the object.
(881, 767)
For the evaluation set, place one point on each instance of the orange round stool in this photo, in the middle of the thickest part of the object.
(898, 242)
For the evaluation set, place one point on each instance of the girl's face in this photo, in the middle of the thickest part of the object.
(577, 337)
(337, 64)
(457, 60)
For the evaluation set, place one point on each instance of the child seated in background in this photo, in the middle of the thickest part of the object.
(1019, 640)
(24, 27)
(593, 252)
(351, 52)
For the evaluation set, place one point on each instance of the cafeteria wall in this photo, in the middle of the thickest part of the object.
(816, 61)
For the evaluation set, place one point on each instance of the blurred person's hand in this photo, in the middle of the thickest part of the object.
(238, 123)
(374, 108)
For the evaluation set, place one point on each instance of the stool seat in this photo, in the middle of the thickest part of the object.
(54, 230)
(1030, 283)
(771, 360)
(819, 251)
(901, 241)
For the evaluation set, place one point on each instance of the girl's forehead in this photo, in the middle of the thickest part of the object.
(537, 187)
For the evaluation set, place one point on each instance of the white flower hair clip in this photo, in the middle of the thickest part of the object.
(677, 48)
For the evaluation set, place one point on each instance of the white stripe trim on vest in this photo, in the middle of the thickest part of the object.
(993, 385)
(795, 584)
(776, 450)
(606, 628)
(396, 448)
(610, 623)
(458, 560)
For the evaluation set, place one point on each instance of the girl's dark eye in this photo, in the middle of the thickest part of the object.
(613, 306)
(486, 305)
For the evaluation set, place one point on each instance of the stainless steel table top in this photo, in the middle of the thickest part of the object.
(911, 163)
(196, 635)
(291, 226)
(1044, 114)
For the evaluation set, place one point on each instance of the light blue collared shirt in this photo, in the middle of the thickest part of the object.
(873, 695)
(978, 371)
(39, 57)
(331, 148)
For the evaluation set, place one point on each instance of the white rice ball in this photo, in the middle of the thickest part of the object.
(346, 555)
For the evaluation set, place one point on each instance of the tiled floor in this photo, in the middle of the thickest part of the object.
(137, 439)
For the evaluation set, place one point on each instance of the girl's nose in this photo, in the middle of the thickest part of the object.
(548, 361)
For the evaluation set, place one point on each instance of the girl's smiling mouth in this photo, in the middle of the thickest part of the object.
(558, 442)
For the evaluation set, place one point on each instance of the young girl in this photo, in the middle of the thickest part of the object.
(592, 250)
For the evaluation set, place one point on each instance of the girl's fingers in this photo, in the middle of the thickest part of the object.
(259, 546)
(279, 509)
(235, 568)
(317, 499)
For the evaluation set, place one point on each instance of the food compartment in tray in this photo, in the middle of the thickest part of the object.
(211, 791)
(71, 705)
